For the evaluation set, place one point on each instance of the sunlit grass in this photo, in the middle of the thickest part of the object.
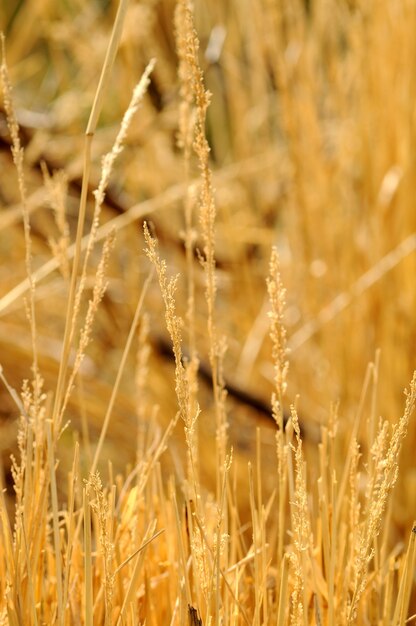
(205, 410)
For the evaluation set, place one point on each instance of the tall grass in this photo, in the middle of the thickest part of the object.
(203, 417)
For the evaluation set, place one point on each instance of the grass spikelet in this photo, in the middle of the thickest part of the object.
(100, 506)
(18, 159)
(188, 45)
(277, 296)
(57, 189)
(173, 324)
(276, 293)
(301, 531)
(99, 290)
(386, 471)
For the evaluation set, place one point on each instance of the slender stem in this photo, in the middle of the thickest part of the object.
(91, 126)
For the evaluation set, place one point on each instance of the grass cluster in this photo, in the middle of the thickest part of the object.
(202, 418)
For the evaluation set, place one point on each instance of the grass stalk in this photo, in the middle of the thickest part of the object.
(89, 134)
(55, 521)
(88, 586)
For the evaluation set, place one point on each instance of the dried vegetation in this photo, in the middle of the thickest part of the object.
(207, 313)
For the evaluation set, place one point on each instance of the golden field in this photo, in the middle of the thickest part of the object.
(207, 313)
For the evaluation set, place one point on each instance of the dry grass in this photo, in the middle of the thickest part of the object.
(207, 313)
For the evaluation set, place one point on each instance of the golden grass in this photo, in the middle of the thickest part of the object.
(270, 160)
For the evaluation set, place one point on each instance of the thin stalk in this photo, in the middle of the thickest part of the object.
(120, 371)
(70, 531)
(87, 561)
(55, 519)
(405, 589)
(283, 591)
(134, 581)
(89, 134)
